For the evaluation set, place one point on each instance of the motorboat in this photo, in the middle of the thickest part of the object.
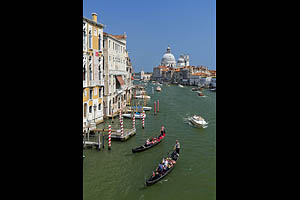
(200, 94)
(137, 115)
(145, 108)
(213, 89)
(198, 121)
(180, 85)
(158, 89)
(142, 97)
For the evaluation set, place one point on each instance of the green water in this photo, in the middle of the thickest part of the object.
(120, 174)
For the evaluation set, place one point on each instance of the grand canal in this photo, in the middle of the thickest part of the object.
(120, 174)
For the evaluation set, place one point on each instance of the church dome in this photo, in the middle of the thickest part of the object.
(180, 60)
(168, 58)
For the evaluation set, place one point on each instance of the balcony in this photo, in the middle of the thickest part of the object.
(84, 84)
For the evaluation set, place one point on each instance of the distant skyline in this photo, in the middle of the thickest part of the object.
(189, 27)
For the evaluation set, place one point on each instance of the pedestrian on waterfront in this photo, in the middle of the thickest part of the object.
(177, 147)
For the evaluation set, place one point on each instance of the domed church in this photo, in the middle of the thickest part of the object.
(168, 59)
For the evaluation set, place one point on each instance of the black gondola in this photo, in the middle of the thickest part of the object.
(156, 178)
(143, 148)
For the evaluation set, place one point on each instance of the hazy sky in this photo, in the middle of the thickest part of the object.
(188, 26)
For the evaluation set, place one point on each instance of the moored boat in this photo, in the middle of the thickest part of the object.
(158, 176)
(142, 97)
(145, 108)
(137, 115)
(180, 85)
(158, 89)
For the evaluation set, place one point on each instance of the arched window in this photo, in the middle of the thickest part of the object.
(90, 39)
(84, 72)
(99, 106)
(90, 109)
(84, 39)
(91, 73)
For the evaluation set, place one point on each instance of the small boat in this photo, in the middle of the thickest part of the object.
(143, 147)
(200, 94)
(158, 177)
(180, 85)
(158, 89)
(142, 97)
(137, 115)
(83, 156)
(198, 121)
(213, 89)
(145, 108)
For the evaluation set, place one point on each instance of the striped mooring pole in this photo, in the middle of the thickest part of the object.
(154, 107)
(122, 131)
(109, 137)
(143, 119)
(133, 121)
(157, 105)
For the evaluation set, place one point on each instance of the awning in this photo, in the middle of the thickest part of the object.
(121, 81)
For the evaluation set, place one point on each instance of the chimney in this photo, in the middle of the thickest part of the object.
(94, 17)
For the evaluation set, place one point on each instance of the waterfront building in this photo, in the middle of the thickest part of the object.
(117, 72)
(93, 81)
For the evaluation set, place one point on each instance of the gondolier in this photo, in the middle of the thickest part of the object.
(177, 147)
(162, 132)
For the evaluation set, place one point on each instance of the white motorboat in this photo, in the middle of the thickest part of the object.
(145, 108)
(137, 115)
(158, 89)
(198, 121)
(180, 85)
(142, 97)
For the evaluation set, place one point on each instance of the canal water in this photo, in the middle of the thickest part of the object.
(120, 174)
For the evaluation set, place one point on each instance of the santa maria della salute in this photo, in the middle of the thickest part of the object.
(168, 60)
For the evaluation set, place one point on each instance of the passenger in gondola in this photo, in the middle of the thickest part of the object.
(160, 168)
(147, 143)
(153, 174)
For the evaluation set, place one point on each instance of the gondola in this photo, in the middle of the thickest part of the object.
(154, 179)
(143, 148)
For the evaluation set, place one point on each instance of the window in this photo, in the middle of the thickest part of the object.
(91, 93)
(90, 109)
(99, 92)
(84, 39)
(90, 39)
(91, 73)
(99, 106)
(99, 42)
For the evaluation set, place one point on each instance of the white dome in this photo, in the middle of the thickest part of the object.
(168, 58)
(180, 60)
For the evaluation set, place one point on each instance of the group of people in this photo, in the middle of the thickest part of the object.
(164, 166)
(158, 138)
